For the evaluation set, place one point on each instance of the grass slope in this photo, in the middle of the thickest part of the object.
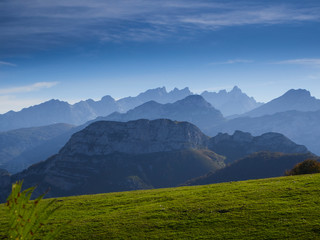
(277, 208)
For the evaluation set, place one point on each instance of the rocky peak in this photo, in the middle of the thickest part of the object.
(297, 93)
(236, 90)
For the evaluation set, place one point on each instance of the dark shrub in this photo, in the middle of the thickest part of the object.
(306, 167)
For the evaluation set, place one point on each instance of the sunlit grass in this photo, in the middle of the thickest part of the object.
(277, 208)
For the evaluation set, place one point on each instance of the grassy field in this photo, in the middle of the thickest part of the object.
(277, 208)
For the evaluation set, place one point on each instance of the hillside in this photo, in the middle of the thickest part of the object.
(277, 208)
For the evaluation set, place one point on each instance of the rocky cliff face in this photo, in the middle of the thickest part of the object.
(135, 137)
(241, 144)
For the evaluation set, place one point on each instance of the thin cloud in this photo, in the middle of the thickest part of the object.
(7, 64)
(28, 88)
(302, 61)
(40, 23)
(232, 61)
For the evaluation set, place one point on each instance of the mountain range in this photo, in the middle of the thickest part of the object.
(56, 111)
(111, 156)
(302, 127)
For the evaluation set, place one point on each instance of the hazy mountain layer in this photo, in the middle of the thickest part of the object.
(16, 142)
(241, 144)
(301, 127)
(231, 103)
(299, 100)
(55, 111)
(193, 109)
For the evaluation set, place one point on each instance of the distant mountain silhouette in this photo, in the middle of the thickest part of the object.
(193, 109)
(241, 144)
(301, 127)
(255, 166)
(159, 95)
(15, 143)
(299, 100)
(55, 111)
(231, 103)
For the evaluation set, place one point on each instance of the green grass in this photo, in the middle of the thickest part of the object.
(277, 208)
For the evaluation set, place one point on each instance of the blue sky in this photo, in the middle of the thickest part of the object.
(79, 49)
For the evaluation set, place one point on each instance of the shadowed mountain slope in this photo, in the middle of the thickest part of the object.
(255, 166)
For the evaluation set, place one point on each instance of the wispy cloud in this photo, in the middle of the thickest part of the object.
(7, 64)
(52, 22)
(302, 61)
(232, 61)
(28, 88)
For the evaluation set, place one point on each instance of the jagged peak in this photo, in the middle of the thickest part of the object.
(236, 89)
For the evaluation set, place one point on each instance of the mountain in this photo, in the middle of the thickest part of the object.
(159, 95)
(14, 143)
(55, 111)
(254, 166)
(241, 144)
(231, 103)
(298, 100)
(119, 156)
(111, 156)
(193, 109)
(300, 127)
(52, 112)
